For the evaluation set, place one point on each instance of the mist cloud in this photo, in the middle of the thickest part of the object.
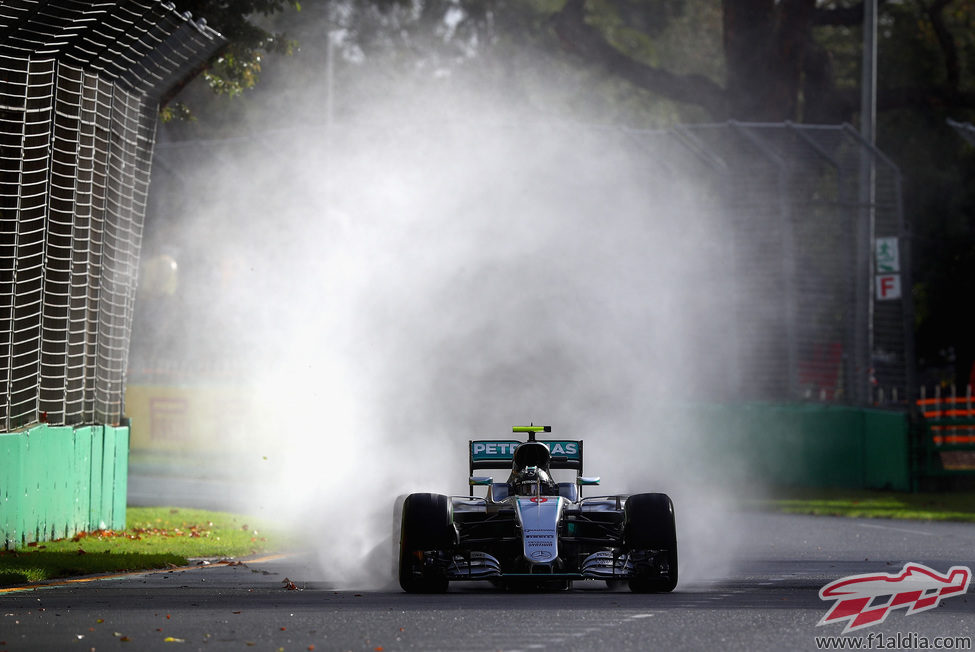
(401, 286)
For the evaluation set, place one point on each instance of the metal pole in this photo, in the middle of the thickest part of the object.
(329, 78)
(868, 83)
(861, 388)
(329, 106)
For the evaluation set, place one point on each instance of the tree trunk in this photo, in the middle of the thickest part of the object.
(749, 46)
(774, 69)
(766, 46)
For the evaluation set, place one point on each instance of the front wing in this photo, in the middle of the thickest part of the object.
(539, 538)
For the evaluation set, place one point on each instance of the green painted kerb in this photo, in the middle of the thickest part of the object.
(56, 481)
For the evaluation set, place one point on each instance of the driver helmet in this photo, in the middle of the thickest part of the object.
(533, 481)
(529, 472)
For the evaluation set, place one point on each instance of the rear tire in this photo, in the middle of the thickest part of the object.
(649, 524)
(426, 526)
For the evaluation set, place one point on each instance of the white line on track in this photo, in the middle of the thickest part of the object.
(897, 529)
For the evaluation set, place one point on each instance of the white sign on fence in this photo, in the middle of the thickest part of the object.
(888, 287)
(887, 254)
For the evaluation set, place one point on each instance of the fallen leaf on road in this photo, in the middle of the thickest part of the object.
(173, 639)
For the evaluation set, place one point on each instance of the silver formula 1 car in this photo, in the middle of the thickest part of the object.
(533, 531)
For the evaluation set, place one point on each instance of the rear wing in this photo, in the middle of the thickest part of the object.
(499, 453)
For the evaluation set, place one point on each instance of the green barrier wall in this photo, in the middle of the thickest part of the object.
(810, 445)
(56, 481)
(797, 444)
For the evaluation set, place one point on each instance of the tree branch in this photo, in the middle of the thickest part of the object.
(842, 16)
(586, 41)
(937, 97)
(949, 48)
(916, 97)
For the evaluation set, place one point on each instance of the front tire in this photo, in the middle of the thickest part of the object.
(426, 526)
(649, 525)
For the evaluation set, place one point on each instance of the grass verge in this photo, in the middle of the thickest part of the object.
(154, 537)
(958, 506)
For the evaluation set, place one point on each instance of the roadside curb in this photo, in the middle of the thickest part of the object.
(200, 563)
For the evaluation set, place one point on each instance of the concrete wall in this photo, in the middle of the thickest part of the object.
(797, 444)
(56, 481)
(809, 445)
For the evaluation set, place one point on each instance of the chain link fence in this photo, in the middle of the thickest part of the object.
(821, 246)
(79, 94)
(965, 129)
(814, 302)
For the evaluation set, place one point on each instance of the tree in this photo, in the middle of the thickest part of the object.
(778, 67)
(651, 63)
(237, 66)
(782, 60)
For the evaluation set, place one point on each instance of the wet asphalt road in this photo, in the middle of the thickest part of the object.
(765, 599)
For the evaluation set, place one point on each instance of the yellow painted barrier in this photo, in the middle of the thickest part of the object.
(178, 419)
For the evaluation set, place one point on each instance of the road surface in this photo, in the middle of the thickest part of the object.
(766, 598)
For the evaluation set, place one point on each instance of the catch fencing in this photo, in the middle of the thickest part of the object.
(965, 129)
(822, 247)
(80, 86)
(815, 305)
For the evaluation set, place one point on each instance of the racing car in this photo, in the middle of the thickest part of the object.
(531, 530)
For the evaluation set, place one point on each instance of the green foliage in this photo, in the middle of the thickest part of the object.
(154, 537)
(875, 504)
(176, 111)
(389, 51)
(908, 50)
(238, 66)
(40, 565)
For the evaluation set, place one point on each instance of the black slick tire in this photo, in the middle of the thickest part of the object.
(649, 524)
(425, 526)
